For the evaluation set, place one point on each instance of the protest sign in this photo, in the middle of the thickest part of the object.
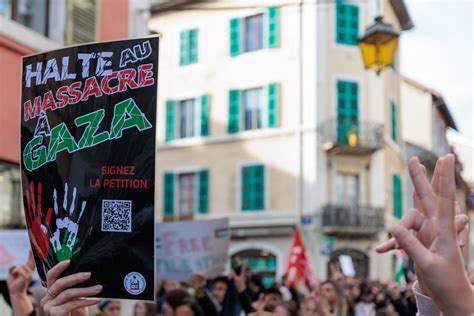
(88, 117)
(184, 248)
(347, 265)
(14, 249)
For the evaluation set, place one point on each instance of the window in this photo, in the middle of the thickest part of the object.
(397, 196)
(347, 189)
(254, 32)
(347, 19)
(82, 21)
(187, 118)
(393, 111)
(30, 13)
(253, 188)
(254, 108)
(347, 110)
(191, 196)
(188, 47)
(187, 189)
(247, 34)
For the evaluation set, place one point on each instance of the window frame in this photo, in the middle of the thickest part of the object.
(196, 122)
(14, 15)
(264, 108)
(244, 37)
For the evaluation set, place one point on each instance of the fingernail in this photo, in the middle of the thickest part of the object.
(97, 288)
(86, 275)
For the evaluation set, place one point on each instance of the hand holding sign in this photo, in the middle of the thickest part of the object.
(61, 299)
(37, 230)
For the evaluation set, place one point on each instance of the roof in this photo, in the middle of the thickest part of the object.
(402, 14)
(438, 101)
(159, 6)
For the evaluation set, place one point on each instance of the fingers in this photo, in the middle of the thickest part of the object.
(30, 262)
(422, 187)
(446, 205)
(413, 219)
(48, 216)
(244, 268)
(65, 309)
(435, 179)
(56, 271)
(462, 229)
(65, 283)
(411, 245)
(74, 294)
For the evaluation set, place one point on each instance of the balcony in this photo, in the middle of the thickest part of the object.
(339, 220)
(347, 138)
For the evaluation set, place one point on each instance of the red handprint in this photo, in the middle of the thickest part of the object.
(37, 230)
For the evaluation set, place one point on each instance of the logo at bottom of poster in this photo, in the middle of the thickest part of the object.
(134, 283)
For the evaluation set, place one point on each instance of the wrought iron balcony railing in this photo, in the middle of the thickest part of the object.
(348, 137)
(352, 220)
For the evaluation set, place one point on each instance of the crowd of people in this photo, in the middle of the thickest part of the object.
(440, 287)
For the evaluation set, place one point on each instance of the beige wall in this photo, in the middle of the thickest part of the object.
(416, 103)
(223, 160)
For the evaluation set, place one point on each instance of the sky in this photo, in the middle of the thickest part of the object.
(438, 52)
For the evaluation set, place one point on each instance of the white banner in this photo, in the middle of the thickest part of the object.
(14, 248)
(184, 248)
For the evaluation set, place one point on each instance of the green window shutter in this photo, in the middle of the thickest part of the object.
(203, 191)
(347, 110)
(253, 188)
(273, 104)
(184, 48)
(347, 24)
(394, 120)
(273, 27)
(170, 120)
(234, 111)
(193, 44)
(397, 196)
(205, 99)
(168, 194)
(235, 37)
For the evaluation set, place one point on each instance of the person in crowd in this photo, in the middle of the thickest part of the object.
(165, 287)
(179, 302)
(109, 308)
(336, 301)
(144, 309)
(19, 278)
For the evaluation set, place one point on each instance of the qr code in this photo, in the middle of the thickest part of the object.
(116, 216)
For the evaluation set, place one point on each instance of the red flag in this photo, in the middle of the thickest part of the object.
(298, 268)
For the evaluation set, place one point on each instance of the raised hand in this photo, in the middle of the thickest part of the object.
(37, 229)
(438, 261)
(61, 299)
(19, 278)
(64, 239)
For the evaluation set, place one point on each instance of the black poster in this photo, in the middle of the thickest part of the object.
(88, 162)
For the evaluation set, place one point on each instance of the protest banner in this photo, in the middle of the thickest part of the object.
(14, 249)
(184, 248)
(88, 117)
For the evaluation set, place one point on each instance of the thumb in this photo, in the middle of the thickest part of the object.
(411, 245)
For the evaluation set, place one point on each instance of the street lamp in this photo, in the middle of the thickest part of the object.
(378, 45)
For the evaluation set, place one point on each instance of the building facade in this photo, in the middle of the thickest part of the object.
(267, 115)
